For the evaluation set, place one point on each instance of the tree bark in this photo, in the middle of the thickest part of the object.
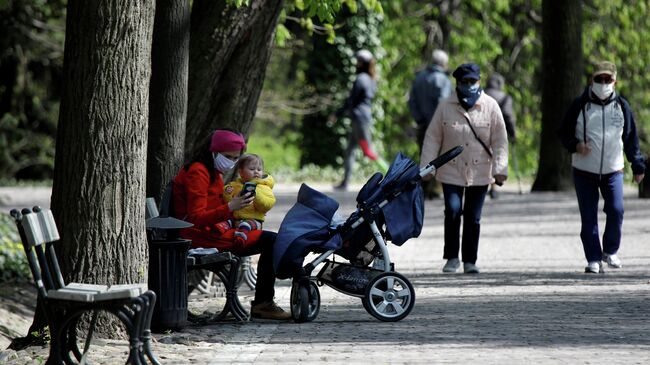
(229, 50)
(98, 189)
(167, 93)
(562, 67)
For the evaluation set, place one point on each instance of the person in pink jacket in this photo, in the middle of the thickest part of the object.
(472, 119)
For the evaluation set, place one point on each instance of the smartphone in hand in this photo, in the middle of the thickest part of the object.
(249, 187)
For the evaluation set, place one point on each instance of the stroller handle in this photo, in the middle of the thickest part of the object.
(441, 160)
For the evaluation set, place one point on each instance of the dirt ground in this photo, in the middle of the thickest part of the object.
(17, 304)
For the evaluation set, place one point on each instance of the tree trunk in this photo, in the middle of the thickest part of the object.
(229, 50)
(167, 93)
(562, 68)
(99, 179)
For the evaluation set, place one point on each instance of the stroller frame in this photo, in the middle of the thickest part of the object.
(388, 296)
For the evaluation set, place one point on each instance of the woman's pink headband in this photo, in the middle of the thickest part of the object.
(223, 140)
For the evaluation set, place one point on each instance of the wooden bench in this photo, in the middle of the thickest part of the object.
(64, 304)
(225, 265)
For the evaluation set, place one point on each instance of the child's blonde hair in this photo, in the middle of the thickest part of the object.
(247, 158)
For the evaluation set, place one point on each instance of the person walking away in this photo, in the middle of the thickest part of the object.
(430, 87)
(198, 192)
(598, 129)
(250, 173)
(494, 88)
(471, 119)
(358, 107)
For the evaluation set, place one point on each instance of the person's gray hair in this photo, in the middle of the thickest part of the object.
(440, 58)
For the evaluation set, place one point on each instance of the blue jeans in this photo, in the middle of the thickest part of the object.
(471, 213)
(587, 187)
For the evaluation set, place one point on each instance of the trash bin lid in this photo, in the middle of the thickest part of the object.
(167, 223)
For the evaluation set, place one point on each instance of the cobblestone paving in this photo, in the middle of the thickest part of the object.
(531, 303)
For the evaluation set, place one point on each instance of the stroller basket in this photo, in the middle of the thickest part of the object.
(346, 278)
(358, 246)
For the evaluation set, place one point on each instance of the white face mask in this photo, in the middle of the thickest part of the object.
(602, 91)
(223, 163)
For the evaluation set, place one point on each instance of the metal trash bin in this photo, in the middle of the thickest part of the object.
(168, 272)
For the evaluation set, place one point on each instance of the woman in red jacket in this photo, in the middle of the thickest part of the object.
(198, 199)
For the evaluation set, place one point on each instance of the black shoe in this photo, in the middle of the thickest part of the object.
(342, 186)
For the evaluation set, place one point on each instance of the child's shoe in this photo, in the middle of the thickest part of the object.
(240, 238)
(222, 227)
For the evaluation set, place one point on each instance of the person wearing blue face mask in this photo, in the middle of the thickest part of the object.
(598, 129)
(198, 198)
(471, 119)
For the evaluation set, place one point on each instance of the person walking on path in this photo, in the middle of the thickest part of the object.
(358, 106)
(494, 88)
(430, 87)
(598, 129)
(471, 119)
(198, 197)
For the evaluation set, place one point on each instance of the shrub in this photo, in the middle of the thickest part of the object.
(13, 265)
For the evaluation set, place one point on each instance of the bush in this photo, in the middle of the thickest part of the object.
(13, 265)
(282, 161)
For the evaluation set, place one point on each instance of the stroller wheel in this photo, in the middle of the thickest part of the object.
(305, 301)
(389, 297)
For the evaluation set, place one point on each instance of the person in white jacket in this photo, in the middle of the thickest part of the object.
(472, 119)
(597, 130)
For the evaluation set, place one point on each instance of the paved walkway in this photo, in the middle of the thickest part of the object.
(532, 303)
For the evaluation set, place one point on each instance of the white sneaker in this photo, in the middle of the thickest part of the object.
(612, 261)
(594, 267)
(470, 268)
(452, 265)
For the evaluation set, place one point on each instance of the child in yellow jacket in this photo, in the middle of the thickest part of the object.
(250, 171)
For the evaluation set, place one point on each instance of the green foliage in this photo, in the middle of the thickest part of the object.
(13, 264)
(619, 31)
(325, 12)
(312, 68)
(238, 3)
(276, 156)
(329, 73)
(31, 56)
(498, 35)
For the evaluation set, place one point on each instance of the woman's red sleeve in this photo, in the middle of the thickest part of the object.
(205, 203)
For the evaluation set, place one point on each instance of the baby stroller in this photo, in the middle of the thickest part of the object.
(389, 208)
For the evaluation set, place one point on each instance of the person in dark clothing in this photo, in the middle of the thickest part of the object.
(430, 86)
(358, 107)
(494, 88)
(598, 129)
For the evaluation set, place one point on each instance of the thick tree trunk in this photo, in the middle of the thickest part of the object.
(99, 179)
(562, 68)
(229, 51)
(167, 93)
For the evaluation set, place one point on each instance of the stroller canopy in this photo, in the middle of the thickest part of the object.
(303, 229)
(404, 214)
